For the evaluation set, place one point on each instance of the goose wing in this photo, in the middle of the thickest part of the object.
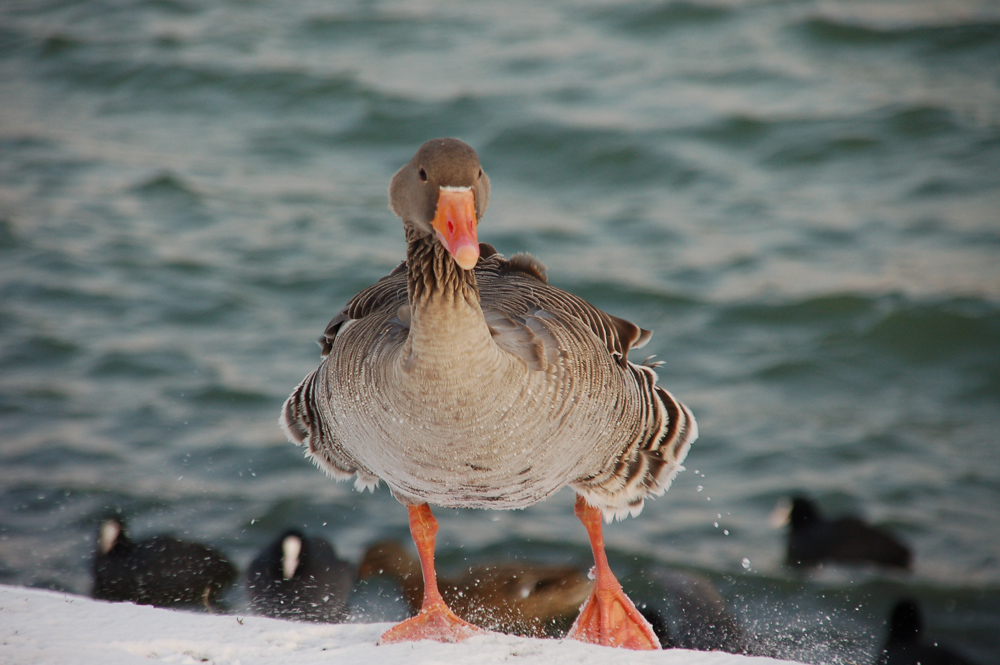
(386, 295)
(518, 301)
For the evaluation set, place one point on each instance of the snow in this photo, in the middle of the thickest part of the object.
(38, 626)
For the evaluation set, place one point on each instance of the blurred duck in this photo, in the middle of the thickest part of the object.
(904, 645)
(518, 598)
(694, 615)
(813, 539)
(658, 622)
(300, 578)
(161, 571)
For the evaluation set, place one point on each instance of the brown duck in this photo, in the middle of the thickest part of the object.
(463, 379)
(511, 597)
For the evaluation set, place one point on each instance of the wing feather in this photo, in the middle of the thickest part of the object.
(387, 294)
(516, 289)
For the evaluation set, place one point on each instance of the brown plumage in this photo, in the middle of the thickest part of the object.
(511, 597)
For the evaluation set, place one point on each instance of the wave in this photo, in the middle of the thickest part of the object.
(547, 153)
(664, 16)
(840, 336)
(933, 332)
(936, 35)
(165, 82)
(790, 140)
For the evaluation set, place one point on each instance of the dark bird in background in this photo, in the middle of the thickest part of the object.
(161, 571)
(813, 539)
(692, 614)
(519, 598)
(703, 621)
(658, 623)
(904, 645)
(299, 577)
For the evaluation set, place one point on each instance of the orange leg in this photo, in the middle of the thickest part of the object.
(608, 617)
(434, 621)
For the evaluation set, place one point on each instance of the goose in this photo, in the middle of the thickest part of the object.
(813, 539)
(162, 570)
(511, 597)
(464, 379)
(301, 578)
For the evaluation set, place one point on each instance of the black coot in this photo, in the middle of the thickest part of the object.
(904, 645)
(161, 570)
(813, 539)
(301, 578)
(692, 614)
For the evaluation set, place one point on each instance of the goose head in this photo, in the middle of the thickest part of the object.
(443, 192)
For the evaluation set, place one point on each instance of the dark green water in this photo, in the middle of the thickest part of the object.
(801, 199)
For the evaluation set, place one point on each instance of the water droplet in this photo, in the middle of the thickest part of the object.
(700, 488)
(715, 524)
(725, 532)
(746, 563)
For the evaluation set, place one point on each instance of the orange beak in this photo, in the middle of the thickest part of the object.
(455, 223)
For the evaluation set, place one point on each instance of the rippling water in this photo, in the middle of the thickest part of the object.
(802, 199)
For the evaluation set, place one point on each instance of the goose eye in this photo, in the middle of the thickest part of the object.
(423, 174)
(480, 176)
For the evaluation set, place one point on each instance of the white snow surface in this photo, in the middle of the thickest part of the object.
(38, 626)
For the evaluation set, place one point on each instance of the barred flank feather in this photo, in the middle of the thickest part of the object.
(294, 421)
(652, 460)
(302, 425)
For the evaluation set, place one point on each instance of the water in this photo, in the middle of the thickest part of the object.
(800, 198)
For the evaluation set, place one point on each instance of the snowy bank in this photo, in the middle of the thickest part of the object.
(39, 626)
